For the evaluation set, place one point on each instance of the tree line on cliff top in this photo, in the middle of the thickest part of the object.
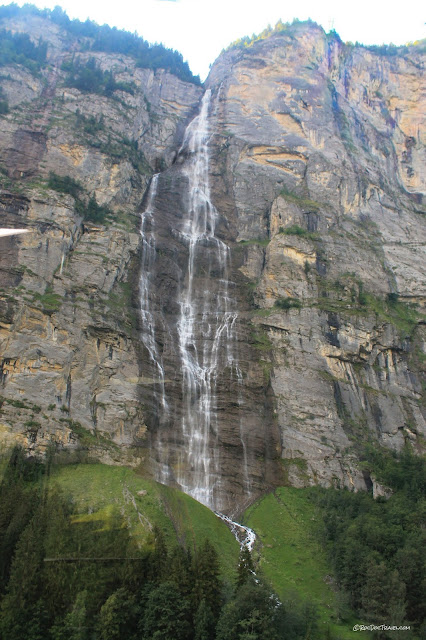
(110, 40)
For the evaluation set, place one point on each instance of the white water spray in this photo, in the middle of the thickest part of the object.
(206, 325)
(145, 285)
(244, 535)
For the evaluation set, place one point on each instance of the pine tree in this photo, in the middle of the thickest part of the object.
(75, 626)
(383, 595)
(118, 617)
(245, 569)
(180, 570)
(254, 614)
(18, 503)
(166, 614)
(204, 622)
(160, 558)
(25, 584)
(207, 584)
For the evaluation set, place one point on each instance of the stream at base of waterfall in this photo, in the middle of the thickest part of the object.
(245, 536)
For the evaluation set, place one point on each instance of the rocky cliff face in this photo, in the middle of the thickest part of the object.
(315, 181)
(70, 366)
(319, 165)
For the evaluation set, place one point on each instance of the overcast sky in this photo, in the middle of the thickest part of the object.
(200, 29)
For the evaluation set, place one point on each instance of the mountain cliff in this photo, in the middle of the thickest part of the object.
(319, 155)
(252, 315)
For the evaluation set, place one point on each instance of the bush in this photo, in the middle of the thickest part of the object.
(392, 298)
(296, 230)
(89, 78)
(90, 125)
(4, 105)
(64, 184)
(362, 297)
(95, 212)
(288, 303)
(302, 202)
(92, 212)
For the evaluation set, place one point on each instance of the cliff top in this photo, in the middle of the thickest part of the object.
(299, 26)
(88, 36)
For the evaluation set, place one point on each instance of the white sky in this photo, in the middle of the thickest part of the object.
(200, 29)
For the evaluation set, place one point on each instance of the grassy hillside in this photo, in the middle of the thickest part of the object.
(96, 489)
(291, 556)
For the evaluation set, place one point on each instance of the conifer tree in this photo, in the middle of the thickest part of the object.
(254, 614)
(207, 584)
(118, 617)
(24, 587)
(159, 558)
(245, 569)
(204, 622)
(166, 614)
(180, 570)
(75, 625)
(383, 595)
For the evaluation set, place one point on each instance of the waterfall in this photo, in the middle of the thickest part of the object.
(206, 324)
(145, 286)
(245, 536)
(201, 357)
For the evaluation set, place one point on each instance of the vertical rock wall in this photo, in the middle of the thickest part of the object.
(319, 170)
(69, 303)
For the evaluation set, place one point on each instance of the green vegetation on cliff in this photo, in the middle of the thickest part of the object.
(4, 105)
(110, 40)
(89, 78)
(279, 28)
(18, 48)
(347, 295)
(287, 28)
(87, 207)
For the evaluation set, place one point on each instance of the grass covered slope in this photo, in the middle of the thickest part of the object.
(84, 542)
(96, 489)
(357, 558)
(291, 555)
(91, 551)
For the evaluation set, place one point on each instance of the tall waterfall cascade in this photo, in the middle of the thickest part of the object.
(145, 286)
(205, 329)
(206, 324)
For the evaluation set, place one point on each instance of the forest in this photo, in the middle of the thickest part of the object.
(63, 576)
